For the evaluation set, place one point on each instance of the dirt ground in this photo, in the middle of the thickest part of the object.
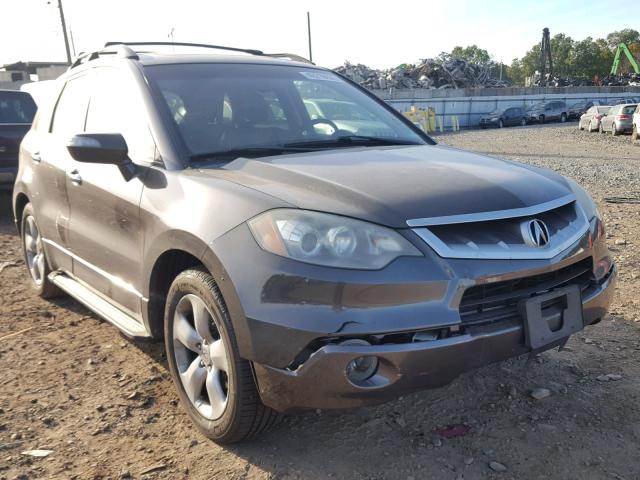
(106, 407)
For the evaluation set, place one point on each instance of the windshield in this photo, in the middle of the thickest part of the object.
(230, 107)
(628, 109)
(604, 110)
(16, 107)
(499, 111)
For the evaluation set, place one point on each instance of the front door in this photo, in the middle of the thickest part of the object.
(105, 233)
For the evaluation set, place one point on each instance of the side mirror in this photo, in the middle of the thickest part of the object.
(106, 148)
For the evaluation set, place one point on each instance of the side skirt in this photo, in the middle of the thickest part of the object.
(126, 323)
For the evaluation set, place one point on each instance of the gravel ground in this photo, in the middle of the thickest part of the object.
(106, 408)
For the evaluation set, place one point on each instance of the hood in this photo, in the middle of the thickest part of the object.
(390, 185)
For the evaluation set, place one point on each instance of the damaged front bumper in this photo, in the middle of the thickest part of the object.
(321, 381)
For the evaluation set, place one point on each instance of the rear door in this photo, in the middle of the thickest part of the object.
(46, 157)
(105, 231)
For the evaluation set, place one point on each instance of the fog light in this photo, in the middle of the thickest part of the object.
(361, 368)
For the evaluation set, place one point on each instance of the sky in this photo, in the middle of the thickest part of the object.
(378, 34)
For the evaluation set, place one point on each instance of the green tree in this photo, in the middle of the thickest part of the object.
(626, 35)
(472, 54)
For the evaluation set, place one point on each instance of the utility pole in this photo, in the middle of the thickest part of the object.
(309, 35)
(64, 32)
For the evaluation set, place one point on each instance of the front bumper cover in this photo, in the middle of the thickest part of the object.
(321, 381)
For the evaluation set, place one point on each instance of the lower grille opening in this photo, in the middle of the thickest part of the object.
(495, 302)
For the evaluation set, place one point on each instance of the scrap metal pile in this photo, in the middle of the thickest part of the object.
(441, 72)
(624, 80)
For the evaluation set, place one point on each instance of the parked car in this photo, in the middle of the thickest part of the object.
(192, 198)
(579, 108)
(591, 118)
(547, 111)
(635, 134)
(17, 110)
(619, 119)
(504, 117)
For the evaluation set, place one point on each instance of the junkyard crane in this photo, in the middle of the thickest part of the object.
(546, 64)
(622, 48)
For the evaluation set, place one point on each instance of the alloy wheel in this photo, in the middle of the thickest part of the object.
(201, 357)
(34, 250)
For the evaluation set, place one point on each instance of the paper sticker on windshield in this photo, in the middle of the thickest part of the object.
(330, 77)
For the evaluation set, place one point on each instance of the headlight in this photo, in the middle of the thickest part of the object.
(584, 200)
(329, 240)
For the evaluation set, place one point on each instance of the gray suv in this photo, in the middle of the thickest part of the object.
(547, 111)
(287, 262)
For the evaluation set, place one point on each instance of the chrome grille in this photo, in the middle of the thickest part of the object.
(502, 238)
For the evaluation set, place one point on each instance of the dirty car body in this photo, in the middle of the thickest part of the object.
(353, 269)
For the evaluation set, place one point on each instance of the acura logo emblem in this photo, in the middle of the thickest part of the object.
(535, 233)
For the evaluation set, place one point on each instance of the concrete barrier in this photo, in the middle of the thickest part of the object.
(453, 110)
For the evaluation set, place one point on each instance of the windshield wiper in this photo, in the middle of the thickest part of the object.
(249, 152)
(351, 141)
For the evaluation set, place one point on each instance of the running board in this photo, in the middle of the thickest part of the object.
(129, 325)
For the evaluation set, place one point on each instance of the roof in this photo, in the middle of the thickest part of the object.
(147, 56)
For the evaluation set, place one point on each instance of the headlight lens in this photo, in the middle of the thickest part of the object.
(329, 240)
(584, 200)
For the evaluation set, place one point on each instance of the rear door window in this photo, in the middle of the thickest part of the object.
(16, 107)
(71, 110)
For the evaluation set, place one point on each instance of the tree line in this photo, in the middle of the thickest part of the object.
(589, 59)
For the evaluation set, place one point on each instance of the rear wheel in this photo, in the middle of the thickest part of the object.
(541, 118)
(601, 128)
(215, 386)
(634, 134)
(590, 129)
(35, 256)
(563, 117)
(614, 130)
(523, 122)
(501, 124)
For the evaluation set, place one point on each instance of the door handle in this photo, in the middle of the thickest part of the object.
(35, 156)
(75, 177)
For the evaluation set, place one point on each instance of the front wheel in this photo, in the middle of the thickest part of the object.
(501, 124)
(523, 122)
(34, 255)
(634, 134)
(563, 118)
(216, 387)
(541, 119)
(601, 128)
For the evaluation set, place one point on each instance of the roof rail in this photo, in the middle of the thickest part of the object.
(184, 44)
(290, 56)
(121, 51)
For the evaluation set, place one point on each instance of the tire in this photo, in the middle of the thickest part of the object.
(590, 129)
(35, 256)
(563, 118)
(614, 130)
(634, 134)
(501, 124)
(523, 122)
(541, 119)
(601, 128)
(234, 411)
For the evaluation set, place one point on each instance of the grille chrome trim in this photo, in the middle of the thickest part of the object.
(495, 215)
(500, 250)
